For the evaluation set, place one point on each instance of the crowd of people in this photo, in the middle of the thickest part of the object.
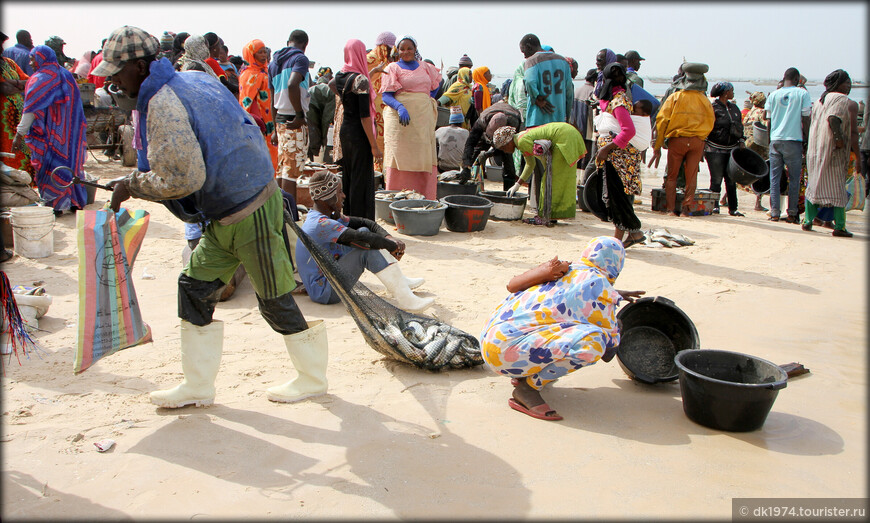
(214, 130)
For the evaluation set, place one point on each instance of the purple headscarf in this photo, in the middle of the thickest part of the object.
(57, 136)
(386, 38)
(609, 58)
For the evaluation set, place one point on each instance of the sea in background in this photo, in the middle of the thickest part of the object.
(740, 88)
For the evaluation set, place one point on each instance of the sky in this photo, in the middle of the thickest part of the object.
(738, 40)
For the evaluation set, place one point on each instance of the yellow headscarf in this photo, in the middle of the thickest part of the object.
(480, 79)
(460, 92)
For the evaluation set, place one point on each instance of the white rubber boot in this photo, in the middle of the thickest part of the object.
(413, 283)
(395, 282)
(309, 353)
(201, 349)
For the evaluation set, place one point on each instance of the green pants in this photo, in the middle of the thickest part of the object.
(811, 210)
(256, 241)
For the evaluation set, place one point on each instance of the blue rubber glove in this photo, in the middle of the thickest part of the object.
(390, 100)
(404, 117)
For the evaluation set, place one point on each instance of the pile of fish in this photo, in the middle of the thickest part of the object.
(658, 238)
(430, 344)
(407, 194)
(449, 176)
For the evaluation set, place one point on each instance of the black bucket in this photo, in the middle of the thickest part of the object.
(466, 213)
(581, 203)
(746, 166)
(654, 330)
(592, 191)
(727, 390)
(449, 188)
(762, 185)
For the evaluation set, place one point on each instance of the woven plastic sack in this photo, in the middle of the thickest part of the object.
(856, 186)
(109, 318)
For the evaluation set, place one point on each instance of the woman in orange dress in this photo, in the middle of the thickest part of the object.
(377, 60)
(254, 94)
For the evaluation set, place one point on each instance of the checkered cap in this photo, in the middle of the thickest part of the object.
(125, 44)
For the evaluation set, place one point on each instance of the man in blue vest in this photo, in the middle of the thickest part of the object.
(204, 158)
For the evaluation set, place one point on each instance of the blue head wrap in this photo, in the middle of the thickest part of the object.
(720, 88)
(606, 254)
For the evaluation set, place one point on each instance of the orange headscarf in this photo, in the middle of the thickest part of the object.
(478, 76)
(254, 92)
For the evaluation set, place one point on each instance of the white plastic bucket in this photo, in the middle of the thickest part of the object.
(33, 231)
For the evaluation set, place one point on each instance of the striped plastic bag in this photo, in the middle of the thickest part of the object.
(109, 317)
(856, 186)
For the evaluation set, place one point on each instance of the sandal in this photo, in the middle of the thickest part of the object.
(542, 411)
(631, 241)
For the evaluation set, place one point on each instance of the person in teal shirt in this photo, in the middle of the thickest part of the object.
(789, 109)
(548, 84)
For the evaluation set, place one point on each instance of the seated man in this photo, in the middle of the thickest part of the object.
(450, 140)
(355, 244)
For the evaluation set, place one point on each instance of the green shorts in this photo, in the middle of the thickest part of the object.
(256, 241)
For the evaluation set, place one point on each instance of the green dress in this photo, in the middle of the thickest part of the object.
(567, 149)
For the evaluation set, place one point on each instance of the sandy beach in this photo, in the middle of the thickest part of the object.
(390, 441)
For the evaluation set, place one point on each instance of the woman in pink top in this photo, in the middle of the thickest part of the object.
(408, 88)
(618, 160)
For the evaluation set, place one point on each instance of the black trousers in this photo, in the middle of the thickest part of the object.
(619, 205)
(718, 164)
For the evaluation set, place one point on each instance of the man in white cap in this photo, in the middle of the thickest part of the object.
(203, 157)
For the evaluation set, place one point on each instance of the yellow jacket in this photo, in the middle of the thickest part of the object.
(685, 113)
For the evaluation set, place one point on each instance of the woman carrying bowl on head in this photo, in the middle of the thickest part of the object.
(408, 88)
(727, 135)
(559, 318)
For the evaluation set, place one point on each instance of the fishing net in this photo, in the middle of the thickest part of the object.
(400, 335)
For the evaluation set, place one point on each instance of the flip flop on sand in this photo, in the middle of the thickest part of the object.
(542, 411)
(631, 241)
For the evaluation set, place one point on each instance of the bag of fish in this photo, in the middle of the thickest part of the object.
(423, 342)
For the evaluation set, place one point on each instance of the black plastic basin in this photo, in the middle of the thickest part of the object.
(727, 390)
(654, 330)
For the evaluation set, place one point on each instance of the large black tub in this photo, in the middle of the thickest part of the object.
(728, 390)
(746, 166)
(466, 213)
(654, 330)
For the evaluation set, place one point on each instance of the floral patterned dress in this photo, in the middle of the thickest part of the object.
(625, 161)
(555, 328)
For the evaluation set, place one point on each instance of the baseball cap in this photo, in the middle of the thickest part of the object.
(634, 55)
(124, 44)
